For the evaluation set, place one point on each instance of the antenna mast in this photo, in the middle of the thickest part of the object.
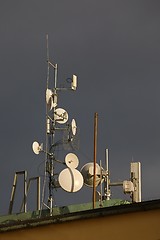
(55, 117)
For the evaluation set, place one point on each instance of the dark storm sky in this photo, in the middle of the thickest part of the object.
(114, 48)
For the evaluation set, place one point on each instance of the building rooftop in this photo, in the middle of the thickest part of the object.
(73, 212)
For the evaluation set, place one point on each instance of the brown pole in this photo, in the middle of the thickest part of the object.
(95, 157)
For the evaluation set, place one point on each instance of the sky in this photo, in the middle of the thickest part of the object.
(114, 48)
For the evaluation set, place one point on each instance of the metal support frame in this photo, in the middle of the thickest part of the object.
(25, 192)
(37, 179)
(24, 173)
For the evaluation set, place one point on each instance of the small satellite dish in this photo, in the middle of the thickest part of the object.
(36, 147)
(70, 179)
(71, 160)
(60, 115)
(51, 99)
(88, 174)
(74, 127)
(48, 95)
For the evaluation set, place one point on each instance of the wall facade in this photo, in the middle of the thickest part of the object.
(130, 226)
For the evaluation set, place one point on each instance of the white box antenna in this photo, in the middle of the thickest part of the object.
(136, 179)
(74, 82)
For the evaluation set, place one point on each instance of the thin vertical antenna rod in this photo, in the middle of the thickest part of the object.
(47, 60)
(101, 184)
(55, 76)
(107, 152)
(106, 185)
(47, 86)
(95, 157)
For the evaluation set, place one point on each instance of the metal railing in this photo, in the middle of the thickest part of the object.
(25, 191)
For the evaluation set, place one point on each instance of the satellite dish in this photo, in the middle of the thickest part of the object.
(73, 127)
(48, 95)
(88, 174)
(71, 160)
(70, 179)
(60, 115)
(51, 99)
(36, 147)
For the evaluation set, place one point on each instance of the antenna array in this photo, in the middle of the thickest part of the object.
(70, 179)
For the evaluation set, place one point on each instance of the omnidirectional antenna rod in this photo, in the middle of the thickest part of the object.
(106, 183)
(95, 157)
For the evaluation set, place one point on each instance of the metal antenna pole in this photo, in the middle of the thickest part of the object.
(51, 127)
(55, 76)
(101, 184)
(51, 157)
(52, 143)
(47, 60)
(95, 156)
(50, 135)
(106, 185)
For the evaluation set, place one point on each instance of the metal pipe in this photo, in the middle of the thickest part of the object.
(101, 184)
(24, 173)
(106, 185)
(25, 191)
(55, 76)
(95, 157)
(12, 194)
(38, 193)
(116, 184)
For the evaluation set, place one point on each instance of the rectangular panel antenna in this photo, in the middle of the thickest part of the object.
(136, 179)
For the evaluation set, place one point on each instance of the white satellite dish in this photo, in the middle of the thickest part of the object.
(51, 99)
(37, 148)
(88, 174)
(48, 95)
(60, 115)
(73, 126)
(71, 160)
(70, 179)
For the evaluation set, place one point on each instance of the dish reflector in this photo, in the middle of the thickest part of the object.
(60, 115)
(48, 95)
(36, 147)
(88, 174)
(70, 180)
(51, 99)
(71, 160)
(73, 126)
